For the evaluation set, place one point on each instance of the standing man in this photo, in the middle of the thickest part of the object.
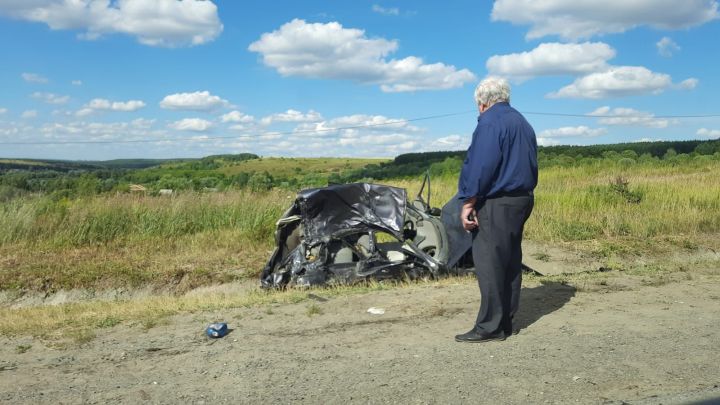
(496, 187)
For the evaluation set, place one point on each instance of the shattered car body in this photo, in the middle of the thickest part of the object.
(351, 232)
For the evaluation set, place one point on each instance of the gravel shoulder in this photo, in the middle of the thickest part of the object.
(632, 343)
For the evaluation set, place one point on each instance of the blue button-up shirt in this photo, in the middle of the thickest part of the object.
(502, 158)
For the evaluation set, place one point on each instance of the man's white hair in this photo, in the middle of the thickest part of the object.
(492, 90)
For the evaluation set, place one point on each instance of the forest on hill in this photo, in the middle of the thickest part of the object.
(69, 179)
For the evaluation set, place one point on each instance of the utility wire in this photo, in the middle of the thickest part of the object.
(321, 130)
(620, 116)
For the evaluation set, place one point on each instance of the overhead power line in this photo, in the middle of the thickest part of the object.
(322, 130)
(619, 115)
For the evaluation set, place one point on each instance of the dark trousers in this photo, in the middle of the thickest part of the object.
(497, 254)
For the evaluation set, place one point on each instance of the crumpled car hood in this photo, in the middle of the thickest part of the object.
(334, 234)
(334, 210)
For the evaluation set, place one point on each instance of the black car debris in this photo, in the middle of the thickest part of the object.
(351, 232)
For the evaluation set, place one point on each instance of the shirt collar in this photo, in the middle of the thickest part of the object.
(499, 104)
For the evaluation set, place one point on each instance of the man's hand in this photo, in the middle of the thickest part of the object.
(468, 215)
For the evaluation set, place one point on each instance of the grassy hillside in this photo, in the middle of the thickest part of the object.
(81, 228)
(135, 163)
(291, 167)
(87, 165)
(606, 207)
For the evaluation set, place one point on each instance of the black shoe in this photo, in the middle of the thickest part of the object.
(476, 337)
(508, 328)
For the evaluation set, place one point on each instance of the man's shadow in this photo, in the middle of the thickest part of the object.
(536, 302)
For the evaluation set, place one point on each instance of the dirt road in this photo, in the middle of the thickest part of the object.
(639, 345)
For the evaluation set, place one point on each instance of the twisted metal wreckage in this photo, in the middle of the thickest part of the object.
(352, 232)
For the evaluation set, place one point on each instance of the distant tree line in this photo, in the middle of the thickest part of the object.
(450, 162)
(655, 149)
(62, 179)
(71, 179)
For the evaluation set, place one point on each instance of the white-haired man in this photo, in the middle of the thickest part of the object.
(496, 187)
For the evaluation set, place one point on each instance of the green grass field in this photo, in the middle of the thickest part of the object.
(289, 167)
(193, 239)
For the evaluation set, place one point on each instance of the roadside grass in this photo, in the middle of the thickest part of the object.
(124, 241)
(174, 244)
(584, 202)
(42, 221)
(178, 264)
(77, 323)
(313, 309)
(20, 349)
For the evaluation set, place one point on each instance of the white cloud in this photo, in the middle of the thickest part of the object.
(191, 124)
(239, 127)
(616, 82)
(547, 141)
(552, 59)
(101, 104)
(352, 135)
(572, 19)
(142, 123)
(666, 47)
(630, 117)
(29, 114)
(709, 133)
(197, 101)
(363, 135)
(356, 125)
(381, 139)
(292, 116)
(688, 84)
(9, 131)
(157, 23)
(385, 11)
(34, 78)
(580, 131)
(76, 82)
(50, 98)
(450, 142)
(138, 129)
(3, 110)
(329, 51)
(590, 59)
(237, 116)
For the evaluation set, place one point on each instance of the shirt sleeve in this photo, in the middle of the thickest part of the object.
(481, 163)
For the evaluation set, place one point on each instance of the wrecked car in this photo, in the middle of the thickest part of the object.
(351, 232)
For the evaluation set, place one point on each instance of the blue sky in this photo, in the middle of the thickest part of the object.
(100, 79)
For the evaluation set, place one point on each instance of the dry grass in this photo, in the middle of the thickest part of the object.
(75, 321)
(179, 264)
(290, 167)
(125, 241)
(579, 204)
(22, 162)
(191, 240)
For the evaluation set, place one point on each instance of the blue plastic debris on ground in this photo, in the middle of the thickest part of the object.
(217, 330)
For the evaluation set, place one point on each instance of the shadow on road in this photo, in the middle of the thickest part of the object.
(536, 302)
